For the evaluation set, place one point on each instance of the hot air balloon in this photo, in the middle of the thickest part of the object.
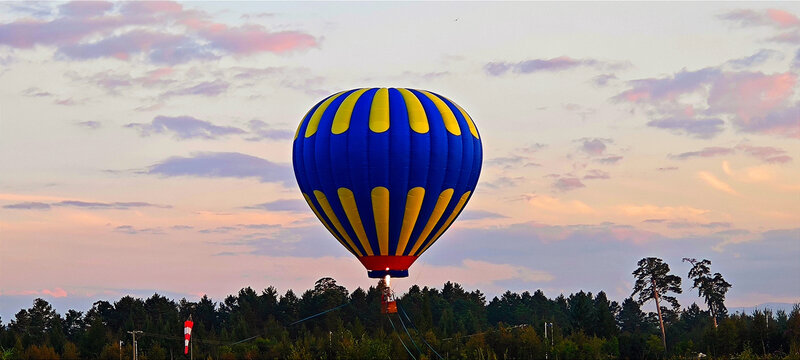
(387, 171)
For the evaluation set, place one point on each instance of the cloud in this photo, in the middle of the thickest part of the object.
(762, 56)
(544, 65)
(263, 131)
(770, 17)
(700, 128)
(28, 206)
(782, 122)
(89, 30)
(705, 152)
(94, 125)
(82, 204)
(609, 160)
(649, 211)
(596, 174)
(55, 292)
(504, 182)
(767, 154)
(224, 164)
(667, 168)
(555, 205)
(718, 184)
(207, 88)
(567, 184)
(36, 92)
(130, 230)
(752, 97)
(683, 224)
(483, 273)
(292, 205)
(184, 127)
(603, 79)
(755, 102)
(102, 205)
(594, 146)
(667, 88)
(479, 215)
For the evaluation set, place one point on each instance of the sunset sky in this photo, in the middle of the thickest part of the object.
(145, 147)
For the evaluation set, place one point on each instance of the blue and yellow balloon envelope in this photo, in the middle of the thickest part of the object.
(387, 170)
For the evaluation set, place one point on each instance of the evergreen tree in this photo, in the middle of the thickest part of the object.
(711, 288)
(653, 282)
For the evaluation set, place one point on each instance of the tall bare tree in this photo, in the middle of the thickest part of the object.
(711, 288)
(653, 282)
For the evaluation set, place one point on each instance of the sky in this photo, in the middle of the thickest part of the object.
(145, 146)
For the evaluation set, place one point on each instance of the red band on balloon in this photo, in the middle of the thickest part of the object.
(380, 263)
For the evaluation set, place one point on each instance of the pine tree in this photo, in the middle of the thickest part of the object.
(653, 282)
(711, 288)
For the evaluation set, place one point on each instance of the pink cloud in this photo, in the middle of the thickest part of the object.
(56, 292)
(754, 99)
(768, 154)
(655, 90)
(782, 18)
(200, 38)
(770, 17)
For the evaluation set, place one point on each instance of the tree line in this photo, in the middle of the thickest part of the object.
(431, 323)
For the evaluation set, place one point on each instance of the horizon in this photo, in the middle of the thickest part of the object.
(146, 147)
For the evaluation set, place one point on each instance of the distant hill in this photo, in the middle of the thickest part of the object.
(771, 306)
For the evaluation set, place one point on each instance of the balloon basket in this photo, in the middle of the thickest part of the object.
(388, 304)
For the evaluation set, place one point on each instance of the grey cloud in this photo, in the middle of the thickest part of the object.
(700, 128)
(263, 131)
(479, 215)
(83, 204)
(130, 230)
(184, 127)
(90, 124)
(609, 160)
(758, 58)
(596, 174)
(292, 205)
(222, 165)
(603, 79)
(705, 152)
(28, 206)
(767, 154)
(102, 205)
(594, 146)
(568, 184)
(545, 65)
(208, 88)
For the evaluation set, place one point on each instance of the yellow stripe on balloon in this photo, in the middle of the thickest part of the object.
(416, 113)
(351, 210)
(471, 124)
(438, 210)
(380, 211)
(379, 112)
(301, 124)
(313, 123)
(341, 122)
(413, 205)
(319, 216)
(449, 119)
(326, 207)
(456, 210)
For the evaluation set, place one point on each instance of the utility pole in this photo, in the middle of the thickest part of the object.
(135, 344)
(120, 350)
(547, 353)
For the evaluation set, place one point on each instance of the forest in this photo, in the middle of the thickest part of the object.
(330, 322)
